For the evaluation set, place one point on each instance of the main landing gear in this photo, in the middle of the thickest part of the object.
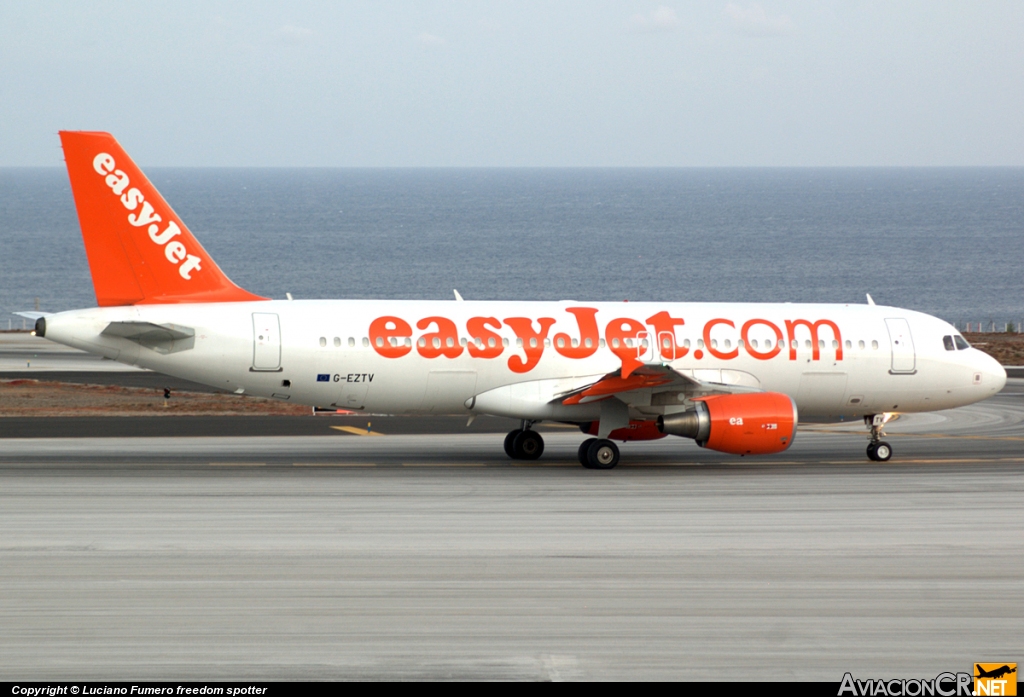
(594, 453)
(524, 444)
(598, 454)
(878, 449)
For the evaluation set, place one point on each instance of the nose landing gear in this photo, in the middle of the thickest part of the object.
(878, 449)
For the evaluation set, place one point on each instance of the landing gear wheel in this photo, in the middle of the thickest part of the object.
(582, 452)
(528, 445)
(509, 443)
(602, 454)
(883, 451)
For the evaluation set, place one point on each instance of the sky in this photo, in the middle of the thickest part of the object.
(519, 83)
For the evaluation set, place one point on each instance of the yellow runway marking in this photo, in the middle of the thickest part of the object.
(946, 461)
(356, 431)
(917, 435)
(443, 464)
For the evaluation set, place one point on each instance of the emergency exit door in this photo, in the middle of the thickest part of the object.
(266, 341)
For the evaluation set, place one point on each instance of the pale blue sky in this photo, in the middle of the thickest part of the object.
(518, 83)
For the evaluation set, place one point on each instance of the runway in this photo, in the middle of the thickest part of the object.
(434, 556)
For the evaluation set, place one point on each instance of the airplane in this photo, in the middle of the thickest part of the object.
(995, 673)
(734, 377)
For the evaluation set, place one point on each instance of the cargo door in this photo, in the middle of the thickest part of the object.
(448, 390)
(821, 393)
(904, 359)
(266, 340)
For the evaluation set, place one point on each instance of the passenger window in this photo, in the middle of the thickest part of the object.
(849, 344)
(807, 344)
(561, 342)
(600, 343)
(589, 342)
(422, 342)
(947, 341)
(728, 344)
(686, 343)
(700, 343)
(504, 342)
(835, 344)
(351, 341)
(714, 343)
(753, 343)
(961, 343)
(575, 343)
(490, 342)
(337, 341)
(860, 344)
(463, 341)
(323, 341)
(366, 342)
(874, 345)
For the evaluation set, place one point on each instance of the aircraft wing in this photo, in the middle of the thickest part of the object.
(658, 379)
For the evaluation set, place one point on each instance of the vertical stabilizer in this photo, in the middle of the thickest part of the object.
(139, 250)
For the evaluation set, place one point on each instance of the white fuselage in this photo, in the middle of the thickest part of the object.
(881, 359)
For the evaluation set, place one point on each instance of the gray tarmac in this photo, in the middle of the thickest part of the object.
(433, 556)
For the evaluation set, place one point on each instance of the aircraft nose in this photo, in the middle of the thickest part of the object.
(993, 375)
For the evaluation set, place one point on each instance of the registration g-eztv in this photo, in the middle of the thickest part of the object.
(987, 679)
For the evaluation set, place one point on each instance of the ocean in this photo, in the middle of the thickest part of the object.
(949, 242)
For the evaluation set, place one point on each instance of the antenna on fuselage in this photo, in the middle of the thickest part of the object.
(871, 301)
(458, 298)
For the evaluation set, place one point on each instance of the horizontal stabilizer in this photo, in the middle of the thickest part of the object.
(33, 315)
(162, 338)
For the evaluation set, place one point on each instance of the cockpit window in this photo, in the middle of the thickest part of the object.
(947, 341)
(961, 343)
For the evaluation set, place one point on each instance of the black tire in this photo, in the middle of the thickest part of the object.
(581, 454)
(871, 452)
(883, 451)
(602, 454)
(509, 443)
(528, 445)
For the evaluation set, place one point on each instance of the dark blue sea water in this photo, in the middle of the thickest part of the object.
(949, 242)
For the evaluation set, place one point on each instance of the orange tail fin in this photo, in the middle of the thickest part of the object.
(139, 250)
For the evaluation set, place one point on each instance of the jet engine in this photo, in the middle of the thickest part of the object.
(742, 424)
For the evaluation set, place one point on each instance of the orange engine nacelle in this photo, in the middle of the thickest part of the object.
(637, 430)
(741, 424)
